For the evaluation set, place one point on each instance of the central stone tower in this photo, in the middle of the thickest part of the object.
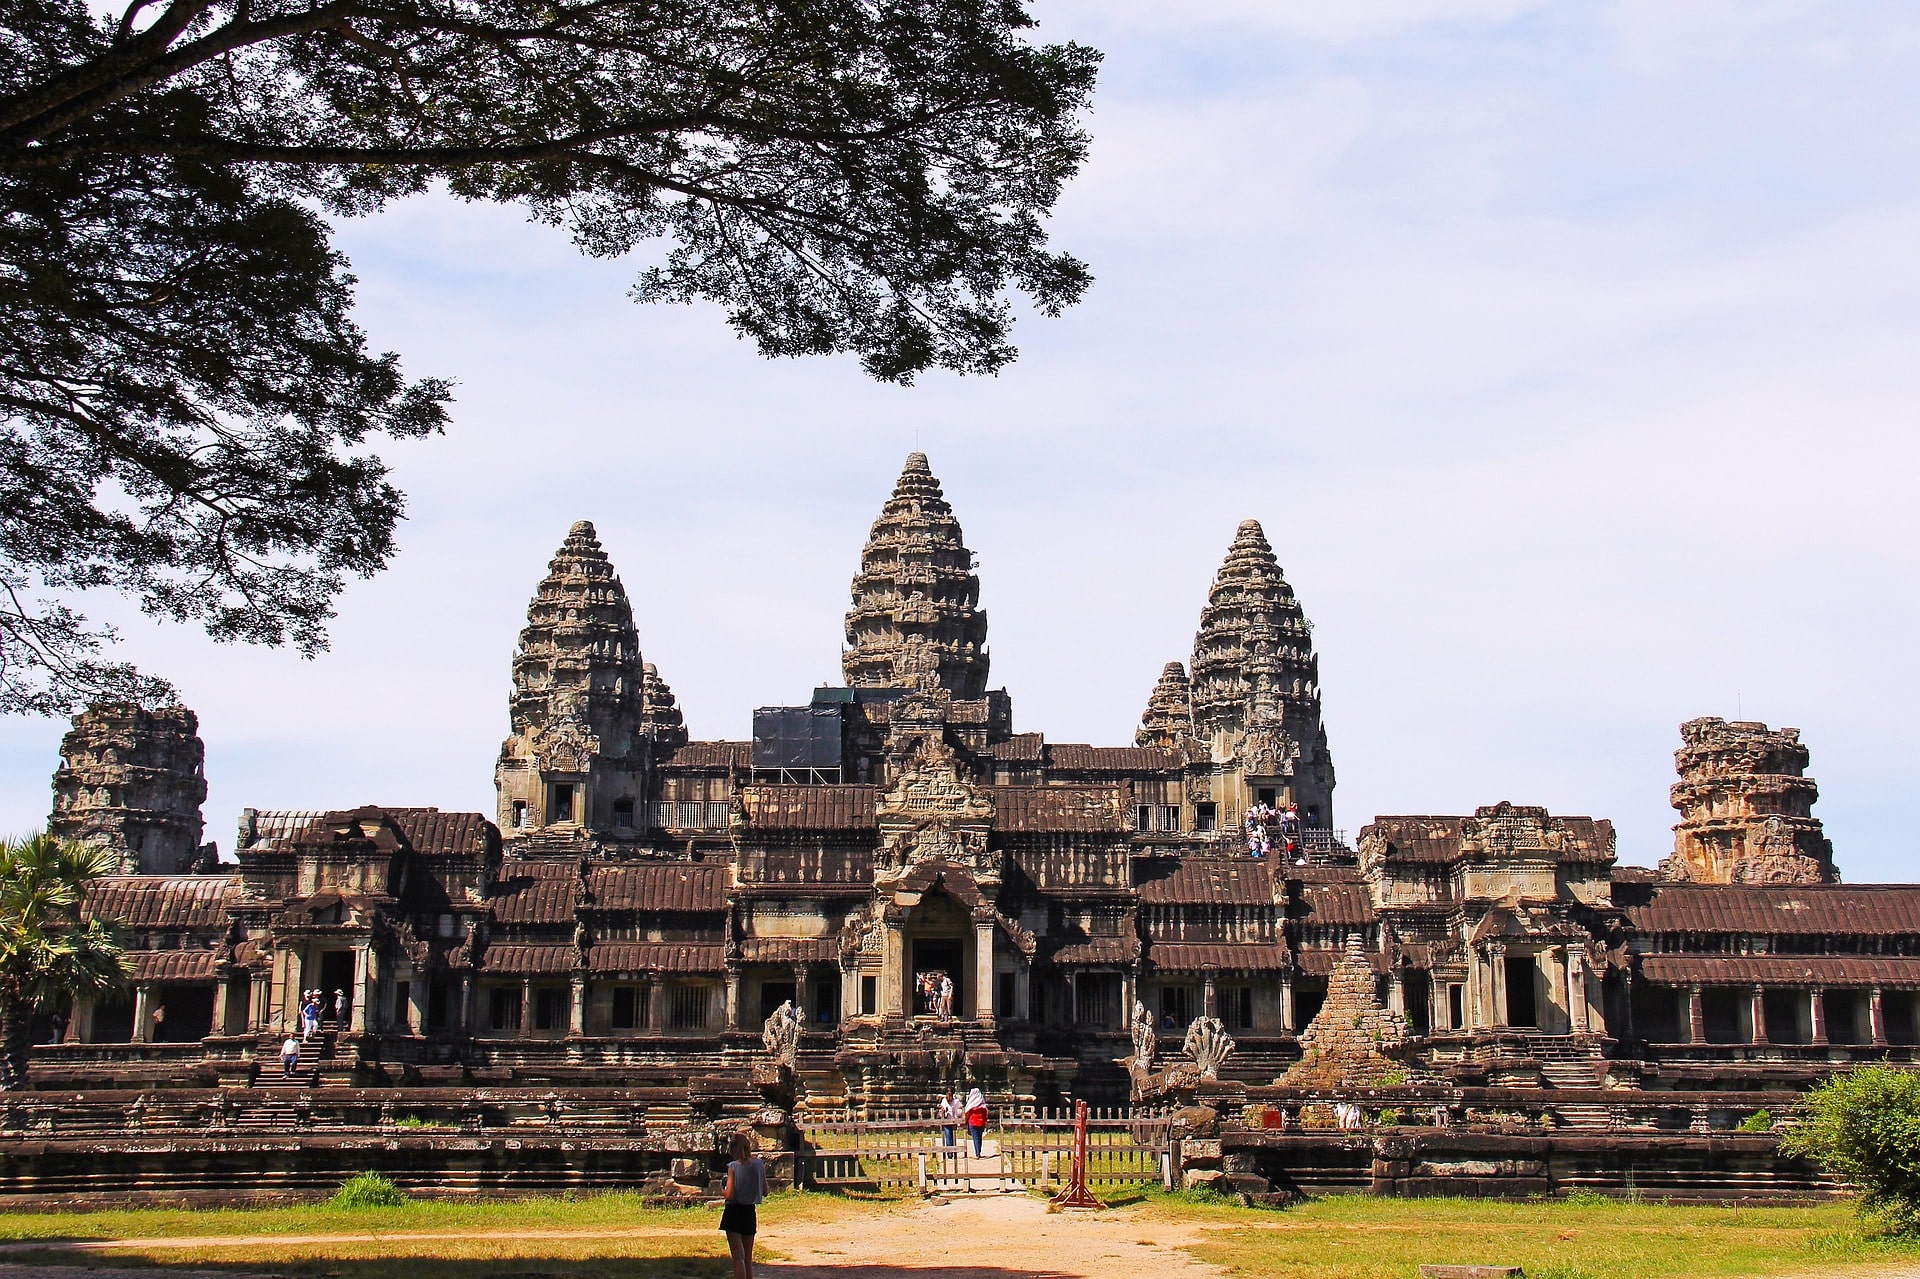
(916, 621)
(1256, 681)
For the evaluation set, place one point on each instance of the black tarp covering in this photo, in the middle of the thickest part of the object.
(798, 736)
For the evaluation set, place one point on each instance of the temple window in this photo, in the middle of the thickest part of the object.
(1097, 999)
(687, 1007)
(1206, 816)
(560, 802)
(623, 814)
(869, 995)
(626, 1008)
(549, 1008)
(519, 813)
(1176, 1006)
(503, 1008)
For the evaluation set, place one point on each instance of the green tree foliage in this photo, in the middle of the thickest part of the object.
(186, 403)
(49, 954)
(1864, 1126)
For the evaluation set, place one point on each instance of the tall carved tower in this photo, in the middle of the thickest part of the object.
(1168, 720)
(1256, 682)
(134, 780)
(576, 761)
(916, 621)
(1746, 808)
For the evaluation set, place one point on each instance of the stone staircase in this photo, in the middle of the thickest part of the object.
(314, 1049)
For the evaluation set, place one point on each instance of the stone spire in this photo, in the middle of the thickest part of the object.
(578, 698)
(1168, 720)
(133, 780)
(916, 621)
(1256, 680)
(1746, 808)
(1353, 1041)
(660, 712)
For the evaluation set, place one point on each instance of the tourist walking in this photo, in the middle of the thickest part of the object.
(289, 1056)
(946, 997)
(976, 1118)
(746, 1187)
(950, 1112)
(339, 1007)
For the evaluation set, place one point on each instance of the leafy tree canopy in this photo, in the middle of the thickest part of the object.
(188, 406)
(1863, 1126)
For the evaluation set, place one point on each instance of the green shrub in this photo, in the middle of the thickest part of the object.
(1760, 1120)
(1863, 1126)
(1390, 1117)
(368, 1190)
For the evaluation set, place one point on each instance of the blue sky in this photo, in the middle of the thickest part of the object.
(1566, 352)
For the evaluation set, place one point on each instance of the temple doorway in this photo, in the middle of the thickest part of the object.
(936, 957)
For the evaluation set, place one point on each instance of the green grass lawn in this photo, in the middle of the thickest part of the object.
(1359, 1237)
(473, 1239)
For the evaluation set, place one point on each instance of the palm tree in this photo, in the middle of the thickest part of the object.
(47, 952)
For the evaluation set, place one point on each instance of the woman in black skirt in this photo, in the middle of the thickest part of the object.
(746, 1187)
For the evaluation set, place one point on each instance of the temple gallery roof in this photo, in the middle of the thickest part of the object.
(550, 892)
(159, 901)
(1769, 909)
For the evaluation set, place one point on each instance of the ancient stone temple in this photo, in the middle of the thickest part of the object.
(1746, 808)
(132, 779)
(938, 896)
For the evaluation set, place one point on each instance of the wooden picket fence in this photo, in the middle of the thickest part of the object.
(911, 1154)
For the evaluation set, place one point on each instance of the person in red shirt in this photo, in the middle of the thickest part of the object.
(976, 1118)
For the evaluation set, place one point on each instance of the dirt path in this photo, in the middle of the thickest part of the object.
(989, 1237)
(967, 1237)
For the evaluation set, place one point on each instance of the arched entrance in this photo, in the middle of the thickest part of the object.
(938, 934)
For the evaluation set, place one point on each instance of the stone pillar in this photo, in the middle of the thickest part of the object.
(802, 989)
(1759, 1014)
(463, 1005)
(1877, 1016)
(143, 1014)
(1626, 1002)
(1696, 1019)
(893, 976)
(849, 991)
(526, 1007)
(1397, 992)
(1073, 997)
(1022, 993)
(1817, 1008)
(419, 991)
(1579, 1011)
(80, 1022)
(362, 989)
(651, 1015)
(732, 1020)
(577, 1010)
(1210, 996)
(262, 1006)
(1286, 1005)
(983, 991)
(1497, 966)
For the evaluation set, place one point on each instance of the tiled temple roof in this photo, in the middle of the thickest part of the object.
(654, 957)
(1319, 962)
(1023, 748)
(1770, 909)
(1243, 957)
(172, 965)
(158, 901)
(1077, 757)
(1783, 970)
(1095, 950)
(811, 807)
(529, 892)
(1212, 881)
(1062, 809)
(659, 886)
(527, 961)
(1435, 840)
(1337, 902)
(710, 755)
(789, 950)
